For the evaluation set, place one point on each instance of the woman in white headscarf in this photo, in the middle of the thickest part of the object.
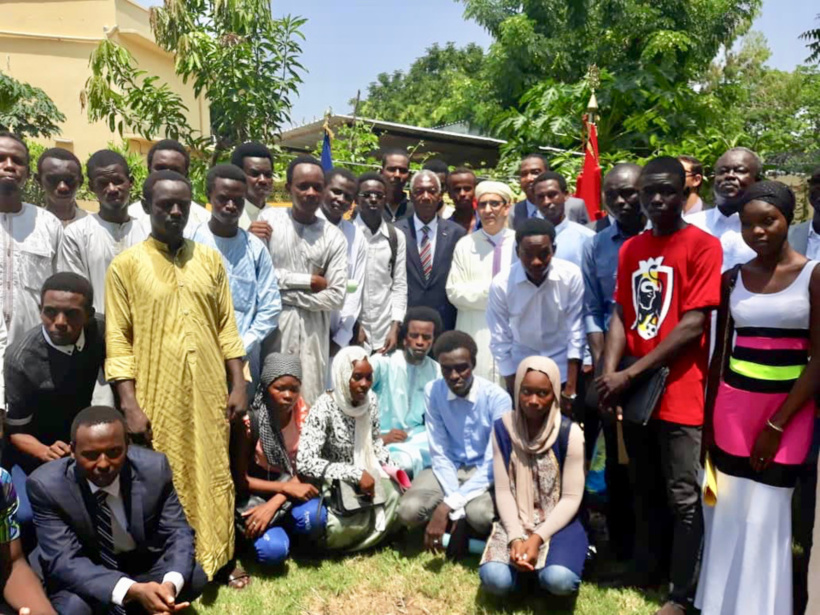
(341, 443)
(477, 258)
(538, 468)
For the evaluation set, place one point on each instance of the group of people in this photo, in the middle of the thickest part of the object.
(183, 382)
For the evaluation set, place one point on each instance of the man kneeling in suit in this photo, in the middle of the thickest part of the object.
(111, 532)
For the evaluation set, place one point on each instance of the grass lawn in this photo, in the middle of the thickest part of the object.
(397, 579)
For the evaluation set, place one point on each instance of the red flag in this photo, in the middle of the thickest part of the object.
(588, 185)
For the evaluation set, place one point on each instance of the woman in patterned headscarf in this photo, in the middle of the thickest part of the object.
(342, 451)
(538, 465)
(271, 500)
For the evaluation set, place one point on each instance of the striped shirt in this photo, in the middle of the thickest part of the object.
(9, 530)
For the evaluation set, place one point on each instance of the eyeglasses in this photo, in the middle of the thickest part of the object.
(421, 191)
(491, 204)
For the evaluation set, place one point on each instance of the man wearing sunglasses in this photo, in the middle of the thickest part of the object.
(60, 175)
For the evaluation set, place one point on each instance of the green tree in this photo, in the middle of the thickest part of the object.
(813, 43)
(436, 89)
(233, 52)
(26, 110)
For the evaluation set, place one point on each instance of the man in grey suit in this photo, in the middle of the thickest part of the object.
(532, 165)
(805, 237)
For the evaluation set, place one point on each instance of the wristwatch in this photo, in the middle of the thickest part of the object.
(569, 397)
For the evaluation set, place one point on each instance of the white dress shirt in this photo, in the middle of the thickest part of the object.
(433, 226)
(342, 321)
(545, 320)
(813, 246)
(384, 298)
(123, 541)
(727, 230)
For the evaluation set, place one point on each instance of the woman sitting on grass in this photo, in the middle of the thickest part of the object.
(271, 501)
(538, 464)
(341, 450)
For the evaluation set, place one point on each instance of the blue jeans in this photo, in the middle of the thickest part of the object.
(305, 519)
(500, 579)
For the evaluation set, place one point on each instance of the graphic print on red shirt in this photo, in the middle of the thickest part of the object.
(659, 280)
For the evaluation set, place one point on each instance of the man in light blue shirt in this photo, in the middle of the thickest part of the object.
(254, 289)
(461, 409)
(399, 381)
(550, 193)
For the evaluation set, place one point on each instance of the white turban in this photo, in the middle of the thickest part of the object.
(493, 187)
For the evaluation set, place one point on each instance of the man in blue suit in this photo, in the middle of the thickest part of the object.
(430, 244)
(112, 534)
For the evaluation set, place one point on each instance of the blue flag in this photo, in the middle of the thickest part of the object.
(327, 158)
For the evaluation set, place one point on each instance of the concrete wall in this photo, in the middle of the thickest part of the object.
(47, 43)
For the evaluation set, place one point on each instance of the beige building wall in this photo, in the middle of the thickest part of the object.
(47, 43)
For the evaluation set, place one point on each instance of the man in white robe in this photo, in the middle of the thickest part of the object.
(29, 238)
(310, 258)
(91, 243)
(478, 257)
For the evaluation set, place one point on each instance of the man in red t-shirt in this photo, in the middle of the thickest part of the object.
(668, 281)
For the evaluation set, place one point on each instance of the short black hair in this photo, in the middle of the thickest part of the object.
(551, 176)
(665, 164)
(697, 165)
(453, 340)
(814, 178)
(372, 176)
(97, 415)
(540, 157)
(341, 172)
(105, 158)
(69, 282)
(15, 137)
(158, 176)
(463, 171)
(420, 313)
(301, 159)
(169, 145)
(532, 227)
(437, 165)
(225, 171)
(58, 153)
(394, 151)
(251, 149)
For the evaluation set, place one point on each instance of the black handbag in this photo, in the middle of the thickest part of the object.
(344, 499)
(639, 401)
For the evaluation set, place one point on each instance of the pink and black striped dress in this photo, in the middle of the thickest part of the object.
(769, 353)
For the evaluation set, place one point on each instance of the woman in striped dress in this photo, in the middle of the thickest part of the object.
(762, 414)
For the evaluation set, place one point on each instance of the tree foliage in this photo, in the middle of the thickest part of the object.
(437, 88)
(27, 110)
(233, 52)
(812, 38)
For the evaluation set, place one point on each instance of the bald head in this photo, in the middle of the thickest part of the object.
(735, 171)
(621, 196)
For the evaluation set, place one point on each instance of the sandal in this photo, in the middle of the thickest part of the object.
(238, 579)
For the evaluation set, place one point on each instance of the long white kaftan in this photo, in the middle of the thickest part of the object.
(468, 287)
(298, 252)
(29, 239)
(90, 244)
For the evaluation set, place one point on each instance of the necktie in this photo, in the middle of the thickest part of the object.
(426, 253)
(496, 252)
(102, 522)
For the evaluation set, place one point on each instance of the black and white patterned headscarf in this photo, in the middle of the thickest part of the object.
(266, 424)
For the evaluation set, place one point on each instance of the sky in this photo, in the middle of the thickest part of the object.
(348, 43)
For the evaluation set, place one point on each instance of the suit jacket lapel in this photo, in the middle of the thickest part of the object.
(131, 488)
(81, 493)
(413, 248)
(443, 237)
